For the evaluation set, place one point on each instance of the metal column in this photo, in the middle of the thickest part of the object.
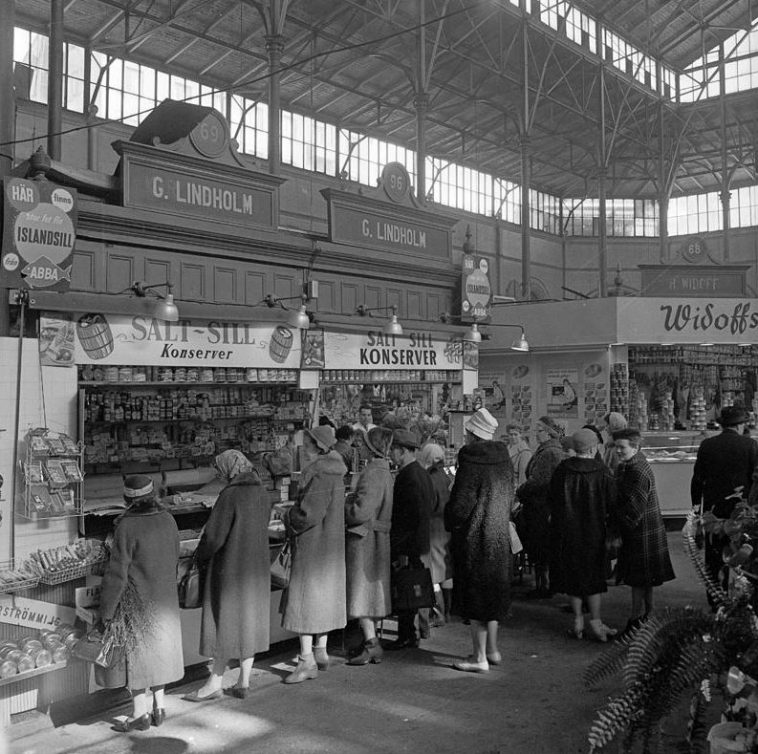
(55, 81)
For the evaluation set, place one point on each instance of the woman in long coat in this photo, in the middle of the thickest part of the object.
(534, 518)
(234, 552)
(141, 573)
(477, 517)
(368, 516)
(644, 560)
(314, 602)
(432, 458)
(582, 497)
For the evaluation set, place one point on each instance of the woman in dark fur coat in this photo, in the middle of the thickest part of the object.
(477, 517)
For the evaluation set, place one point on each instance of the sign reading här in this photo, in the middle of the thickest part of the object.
(39, 233)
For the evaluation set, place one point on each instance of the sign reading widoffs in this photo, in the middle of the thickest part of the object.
(375, 350)
(109, 339)
(39, 232)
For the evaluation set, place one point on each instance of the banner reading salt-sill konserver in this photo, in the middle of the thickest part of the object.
(111, 339)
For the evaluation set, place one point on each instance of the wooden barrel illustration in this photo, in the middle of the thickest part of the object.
(281, 344)
(95, 335)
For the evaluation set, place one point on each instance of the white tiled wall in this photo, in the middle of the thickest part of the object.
(47, 399)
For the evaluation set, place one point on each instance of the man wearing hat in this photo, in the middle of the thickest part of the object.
(725, 464)
(413, 498)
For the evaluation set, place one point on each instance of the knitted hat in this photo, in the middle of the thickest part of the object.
(731, 416)
(378, 441)
(404, 438)
(584, 440)
(138, 486)
(615, 421)
(323, 436)
(482, 424)
(554, 429)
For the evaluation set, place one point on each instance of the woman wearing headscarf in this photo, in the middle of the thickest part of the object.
(314, 602)
(368, 516)
(234, 552)
(139, 588)
(477, 517)
(533, 495)
(519, 452)
(432, 458)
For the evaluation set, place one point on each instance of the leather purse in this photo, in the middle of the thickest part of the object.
(99, 648)
(190, 586)
(281, 566)
(411, 588)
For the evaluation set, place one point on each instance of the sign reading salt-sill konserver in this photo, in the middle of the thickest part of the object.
(39, 233)
(106, 339)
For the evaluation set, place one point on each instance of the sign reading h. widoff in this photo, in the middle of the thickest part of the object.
(39, 232)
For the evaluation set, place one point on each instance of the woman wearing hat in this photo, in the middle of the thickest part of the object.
(237, 585)
(141, 574)
(477, 517)
(535, 514)
(368, 516)
(314, 602)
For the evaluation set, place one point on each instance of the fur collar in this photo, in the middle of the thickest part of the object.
(326, 464)
(487, 452)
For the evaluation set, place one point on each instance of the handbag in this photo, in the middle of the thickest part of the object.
(516, 546)
(411, 588)
(190, 586)
(99, 648)
(281, 566)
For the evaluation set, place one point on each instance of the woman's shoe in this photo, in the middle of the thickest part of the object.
(306, 670)
(469, 665)
(494, 658)
(238, 692)
(322, 658)
(132, 723)
(372, 652)
(575, 633)
(193, 696)
(158, 716)
(601, 632)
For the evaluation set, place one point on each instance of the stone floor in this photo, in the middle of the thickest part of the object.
(413, 702)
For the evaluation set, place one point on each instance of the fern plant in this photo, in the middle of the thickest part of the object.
(672, 652)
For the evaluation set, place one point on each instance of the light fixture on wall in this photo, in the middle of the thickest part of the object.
(165, 308)
(296, 318)
(475, 335)
(393, 327)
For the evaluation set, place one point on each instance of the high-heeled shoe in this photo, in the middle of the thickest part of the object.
(306, 670)
(158, 716)
(132, 723)
(372, 652)
(600, 631)
(494, 658)
(321, 657)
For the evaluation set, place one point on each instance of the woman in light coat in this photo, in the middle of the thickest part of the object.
(314, 602)
(519, 452)
(368, 513)
(141, 574)
(237, 583)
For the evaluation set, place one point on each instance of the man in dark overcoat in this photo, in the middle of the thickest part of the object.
(413, 498)
(725, 463)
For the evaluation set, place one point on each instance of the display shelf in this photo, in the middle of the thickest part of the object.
(33, 673)
(69, 573)
(15, 580)
(240, 417)
(188, 383)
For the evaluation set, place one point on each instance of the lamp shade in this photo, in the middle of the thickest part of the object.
(473, 334)
(166, 309)
(298, 318)
(393, 327)
(520, 344)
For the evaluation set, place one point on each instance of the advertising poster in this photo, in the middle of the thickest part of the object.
(595, 393)
(522, 396)
(56, 342)
(562, 398)
(493, 384)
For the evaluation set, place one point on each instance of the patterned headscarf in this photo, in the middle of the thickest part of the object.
(230, 463)
(554, 429)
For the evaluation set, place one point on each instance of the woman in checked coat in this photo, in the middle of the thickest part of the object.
(644, 561)
(237, 584)
(368, 515)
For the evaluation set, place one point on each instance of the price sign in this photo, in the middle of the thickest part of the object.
(395, 181)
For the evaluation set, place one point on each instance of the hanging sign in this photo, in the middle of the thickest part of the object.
(111, 339)
(20, 611)
(39, 232)
(413, 351)
(476, 292)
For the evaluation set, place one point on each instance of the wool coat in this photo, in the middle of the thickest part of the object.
(237, 585)
(477, 517)
(520, 455)
(368, 517)
(144, 555)
(723, 462)
(439, 537)
(314, 601)
(582, 497)
(644, 556)
(534, 519)
(413, 497)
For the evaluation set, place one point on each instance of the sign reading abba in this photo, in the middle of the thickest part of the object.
(375, 350)
(109, 339)
(39, 232)
(688, 321)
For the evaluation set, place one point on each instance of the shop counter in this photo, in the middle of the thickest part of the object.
(672, 481)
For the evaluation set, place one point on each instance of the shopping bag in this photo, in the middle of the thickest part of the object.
(190, 587)
(411, 588)
(99, 648)
(281, 566)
